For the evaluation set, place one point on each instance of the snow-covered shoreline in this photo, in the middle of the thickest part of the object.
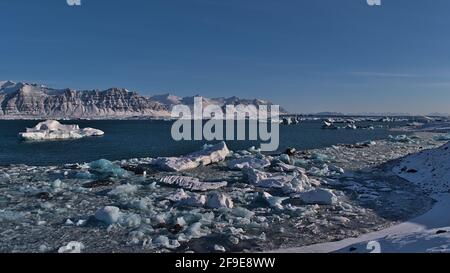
(430, 232)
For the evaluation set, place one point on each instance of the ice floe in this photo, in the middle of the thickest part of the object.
(209, 155)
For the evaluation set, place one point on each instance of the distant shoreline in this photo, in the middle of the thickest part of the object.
(31, 118)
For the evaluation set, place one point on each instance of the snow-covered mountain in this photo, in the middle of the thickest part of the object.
(33, 101)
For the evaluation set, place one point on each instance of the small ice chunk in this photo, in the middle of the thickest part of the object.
(213, 154)
(81, 222)
(219, 248)
(165, 242)
(242, 212)
(248, 162)
(109, 215)
(195, 231)
(324, 171)
(181, 221)
(444, 137)
(123, 190)
(319, 196)
(351, 127)
(283, 167)
(195, 200)
(274, 201)
(300, 162)
(142, 204)
(285, 159)
(57, 184)
(177, 196)
(321, 158)
(267, 180)
(336, 169)
(44, 248)
(130, 220)
(84, 175)
(175, 164)
(218, 200)
(104, 168)
(72, 247)
(4, 176)
(401, 139)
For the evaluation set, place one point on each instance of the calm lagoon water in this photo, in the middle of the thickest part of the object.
(152, 138)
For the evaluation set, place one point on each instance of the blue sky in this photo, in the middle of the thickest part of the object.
(307, 55)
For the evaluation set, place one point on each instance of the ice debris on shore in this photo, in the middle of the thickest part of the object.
(53, 130)
(203, 206)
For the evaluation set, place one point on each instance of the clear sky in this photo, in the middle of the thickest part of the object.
(307, 55)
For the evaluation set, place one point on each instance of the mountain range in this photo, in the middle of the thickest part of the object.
(33, 101)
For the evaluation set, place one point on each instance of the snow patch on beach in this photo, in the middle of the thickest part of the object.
(430, 232)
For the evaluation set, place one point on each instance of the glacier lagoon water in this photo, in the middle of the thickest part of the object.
(151, 138)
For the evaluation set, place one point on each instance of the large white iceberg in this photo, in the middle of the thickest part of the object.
(53, 130)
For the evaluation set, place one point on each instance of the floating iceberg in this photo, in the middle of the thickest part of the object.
(218, 200)
(351, 127)
(328, 125)
(53, 130)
